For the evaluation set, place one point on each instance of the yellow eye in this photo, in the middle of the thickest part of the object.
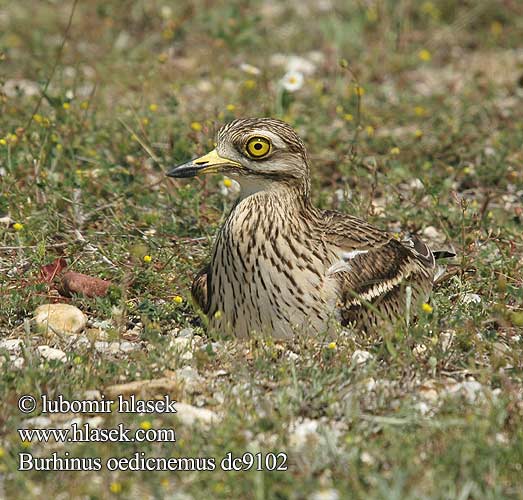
(257, 147)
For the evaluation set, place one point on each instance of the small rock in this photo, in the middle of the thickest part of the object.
(471, 298)
(51, 354)
(471, 390)
(144, 388)
(445, 339)
(12, 345)
(192, 380)
(18, 363)
(367, 458)
(304, 434)
(95, 421)
(92, 395)
(327, 494)
(361, 357)
(39, 422)
(186, 333)
(126, 346)
(431, 233)
(190, 415)
(62, 319)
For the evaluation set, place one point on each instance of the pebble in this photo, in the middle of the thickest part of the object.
(192, 380)
(62, 319)
(361, 357)
(190, 415)
(326, 494)
(51, 354)
(12, 345)
(303, 434)
(471, 298)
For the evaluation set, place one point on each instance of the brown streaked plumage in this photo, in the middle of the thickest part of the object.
(280, 265)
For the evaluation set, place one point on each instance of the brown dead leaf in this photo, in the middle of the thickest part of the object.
(50, 271)
(82, 284)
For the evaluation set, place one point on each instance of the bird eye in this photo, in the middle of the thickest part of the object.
(257, 147)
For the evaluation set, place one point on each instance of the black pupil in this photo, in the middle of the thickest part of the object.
(258, 146)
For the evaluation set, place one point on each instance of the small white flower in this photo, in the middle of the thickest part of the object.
(250, 69)
(292, 81)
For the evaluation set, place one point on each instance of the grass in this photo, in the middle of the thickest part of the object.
(437, 143)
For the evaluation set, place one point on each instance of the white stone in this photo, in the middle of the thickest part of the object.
(190, 415)
(126, 346)
(18, 363)
(39, 422)
(62, 319)
(51, 354)
(431, 233)
(471, 298)
(360, 357)
(327, 494)
(12, 345)
(303, 434)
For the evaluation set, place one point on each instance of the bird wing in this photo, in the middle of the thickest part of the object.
(199, 289)
(372, 264)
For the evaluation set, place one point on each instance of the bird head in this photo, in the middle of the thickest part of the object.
(257, 152)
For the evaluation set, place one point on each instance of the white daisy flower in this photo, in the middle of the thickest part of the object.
(292, 81)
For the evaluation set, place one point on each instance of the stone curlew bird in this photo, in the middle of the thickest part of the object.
(280, 265)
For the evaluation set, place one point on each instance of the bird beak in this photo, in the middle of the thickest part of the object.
(210, 163)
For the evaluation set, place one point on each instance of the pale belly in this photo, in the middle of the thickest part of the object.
(268, 291)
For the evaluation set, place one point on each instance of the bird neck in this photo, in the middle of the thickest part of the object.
(293, 192)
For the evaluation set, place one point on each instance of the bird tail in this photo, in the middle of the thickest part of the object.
(443, 254)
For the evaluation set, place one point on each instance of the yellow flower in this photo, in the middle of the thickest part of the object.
(177, 299)
(332, 346)
(249, 84)
(427, 308)
(196, 126)
(230, 107)
(420, 111)
(372, 14)
(38, 118)
(17, 226)
(84, 105)
(153, 107)
(147, 259)
(424, 55)
(370, 130)
(145, 121)
(418, 133)
(359, 91)
(66, 105)
(145, 425)
(2, 452)
(164, 482)
(59, 148)
(115, 488)
(218, 314)
(496, 28)
(348, 117)
(12, 138)
(3, 142)
(77, 360)
(26, 444)
(395, 150)
(227, 183)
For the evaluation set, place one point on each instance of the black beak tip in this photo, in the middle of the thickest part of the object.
(183, 171)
